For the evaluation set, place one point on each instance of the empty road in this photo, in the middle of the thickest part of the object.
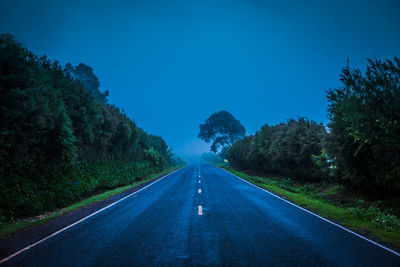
(202, 215)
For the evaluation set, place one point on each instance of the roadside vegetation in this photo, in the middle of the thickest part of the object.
(359, 148)
(15, 225)
(60, 141)
(349, 170)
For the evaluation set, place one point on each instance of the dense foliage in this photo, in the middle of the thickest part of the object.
(365, 127)
(51, 126)
(91, 83)
(222, 129)
(361, 149)
(287, 149)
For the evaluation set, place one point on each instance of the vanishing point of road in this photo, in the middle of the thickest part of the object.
(202, 215)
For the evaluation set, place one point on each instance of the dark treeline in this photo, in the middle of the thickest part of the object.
(59, 140)
(360, 149)
(284, 149)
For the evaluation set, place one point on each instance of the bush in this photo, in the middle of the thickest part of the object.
(26, 198)
(364, 138)
(376, 214)
(286, 149)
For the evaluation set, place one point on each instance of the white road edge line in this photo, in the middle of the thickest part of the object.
(318, 216)
(85, 218)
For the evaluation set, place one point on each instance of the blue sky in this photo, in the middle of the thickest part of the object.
(171, 64)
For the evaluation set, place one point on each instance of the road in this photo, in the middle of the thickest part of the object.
(227, 223)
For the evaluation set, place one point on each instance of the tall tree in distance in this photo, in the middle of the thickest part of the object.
(85, 75)
(222, 129)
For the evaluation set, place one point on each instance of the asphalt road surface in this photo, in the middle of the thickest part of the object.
(227, 223)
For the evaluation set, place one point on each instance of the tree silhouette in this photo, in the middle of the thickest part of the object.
(85, 75)
(222, 129)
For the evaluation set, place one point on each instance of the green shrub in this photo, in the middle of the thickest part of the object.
(364, 138)
(387, 221)
(375, 214)
(26, 197)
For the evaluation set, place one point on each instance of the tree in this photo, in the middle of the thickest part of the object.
(222, 129)
(364, 138)
(51, 127)
(84, 74)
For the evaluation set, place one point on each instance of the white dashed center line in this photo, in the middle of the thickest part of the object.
(200, 210)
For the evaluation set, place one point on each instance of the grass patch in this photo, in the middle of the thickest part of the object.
(333, 190)
(7, 228)
(368, 218)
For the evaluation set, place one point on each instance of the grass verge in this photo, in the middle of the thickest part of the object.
(368, 220)
(8, 228)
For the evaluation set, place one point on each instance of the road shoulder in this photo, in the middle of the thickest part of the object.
(23, 238)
